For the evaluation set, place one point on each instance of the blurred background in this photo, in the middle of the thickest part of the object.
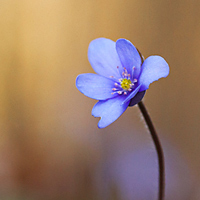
(50, 146)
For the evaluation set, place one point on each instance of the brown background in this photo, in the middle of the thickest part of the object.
(48, 137)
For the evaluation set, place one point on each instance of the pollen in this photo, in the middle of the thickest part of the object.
(126, 84)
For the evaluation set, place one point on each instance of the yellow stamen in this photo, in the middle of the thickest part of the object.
(126, 84)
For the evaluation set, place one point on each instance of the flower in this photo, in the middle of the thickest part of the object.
(122, 77)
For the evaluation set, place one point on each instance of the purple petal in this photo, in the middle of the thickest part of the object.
(95, 86)
(132, 94)
(137, 98)
(153, 68)
(129, 56)
(109, 110)
(103, 57)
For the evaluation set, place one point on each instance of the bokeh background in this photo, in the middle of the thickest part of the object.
(50, 146)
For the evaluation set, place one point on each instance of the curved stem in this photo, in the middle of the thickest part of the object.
(158, 150)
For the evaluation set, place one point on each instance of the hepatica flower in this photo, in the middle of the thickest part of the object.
(121, 77)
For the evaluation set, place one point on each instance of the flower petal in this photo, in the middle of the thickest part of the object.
(103, 57)
(109, 110)
(132, 94)
(129, 56)
(153, 68)
(95, 86)
(137, 98)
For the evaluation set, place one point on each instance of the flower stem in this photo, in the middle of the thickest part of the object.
(158, 150)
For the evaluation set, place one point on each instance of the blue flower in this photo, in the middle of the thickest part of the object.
(122, 77)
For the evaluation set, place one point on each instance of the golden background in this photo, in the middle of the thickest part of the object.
(50, 145)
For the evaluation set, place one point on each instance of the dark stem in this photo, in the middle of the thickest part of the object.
(158, 150)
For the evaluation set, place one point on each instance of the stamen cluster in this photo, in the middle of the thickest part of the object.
(125, 84)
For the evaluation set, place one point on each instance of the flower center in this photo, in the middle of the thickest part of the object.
(126, 84)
